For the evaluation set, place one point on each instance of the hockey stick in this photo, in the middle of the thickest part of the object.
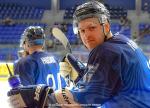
(58, 34)
(10, 73)
(13, 80)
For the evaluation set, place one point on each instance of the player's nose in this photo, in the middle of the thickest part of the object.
(87, 34)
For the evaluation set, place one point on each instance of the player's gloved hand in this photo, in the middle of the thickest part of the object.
(71, 68)
(29, 96)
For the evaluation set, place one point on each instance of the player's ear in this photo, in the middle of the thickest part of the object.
(26, 46)
(107, 27)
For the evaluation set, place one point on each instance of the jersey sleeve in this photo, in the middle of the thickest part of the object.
(26, 69)
(102, 79)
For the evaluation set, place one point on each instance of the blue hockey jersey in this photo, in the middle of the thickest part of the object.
(117, 76)
(39, 68)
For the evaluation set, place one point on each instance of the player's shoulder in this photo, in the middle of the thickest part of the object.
(26, 60)
(49, 58)
(107, 48)
(112, 46)
(116, 43)
(42, 54)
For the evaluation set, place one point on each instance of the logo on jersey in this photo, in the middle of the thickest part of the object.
(37, 92)
(47, 60)
(91, 70)
(87, 77)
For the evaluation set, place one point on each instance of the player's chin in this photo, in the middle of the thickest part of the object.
(90, 47)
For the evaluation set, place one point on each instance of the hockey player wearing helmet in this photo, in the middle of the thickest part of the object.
(39, 67)
(117, 73)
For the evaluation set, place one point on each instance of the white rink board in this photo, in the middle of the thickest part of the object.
(4, 87)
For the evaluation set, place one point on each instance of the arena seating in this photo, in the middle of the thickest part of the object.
(116, 12)
(143, 26)
(146, 5)
(20, 12)
(71, 36)
(12, 34)
(144, 29)
(8, 54)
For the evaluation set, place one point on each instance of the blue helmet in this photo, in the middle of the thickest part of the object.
(34, 35)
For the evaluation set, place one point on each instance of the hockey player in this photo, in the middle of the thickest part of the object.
(117, 73)
(39, 67)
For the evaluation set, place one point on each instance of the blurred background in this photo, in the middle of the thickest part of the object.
(129, 17)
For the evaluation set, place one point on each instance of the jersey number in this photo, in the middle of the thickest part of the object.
(50, 77)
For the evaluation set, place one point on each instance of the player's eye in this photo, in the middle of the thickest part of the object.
(81, 30)
(91, 28)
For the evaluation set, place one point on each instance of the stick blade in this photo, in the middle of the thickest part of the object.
(58, 34)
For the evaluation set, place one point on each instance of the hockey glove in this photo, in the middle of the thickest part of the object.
(71, 68)
(29, 96)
